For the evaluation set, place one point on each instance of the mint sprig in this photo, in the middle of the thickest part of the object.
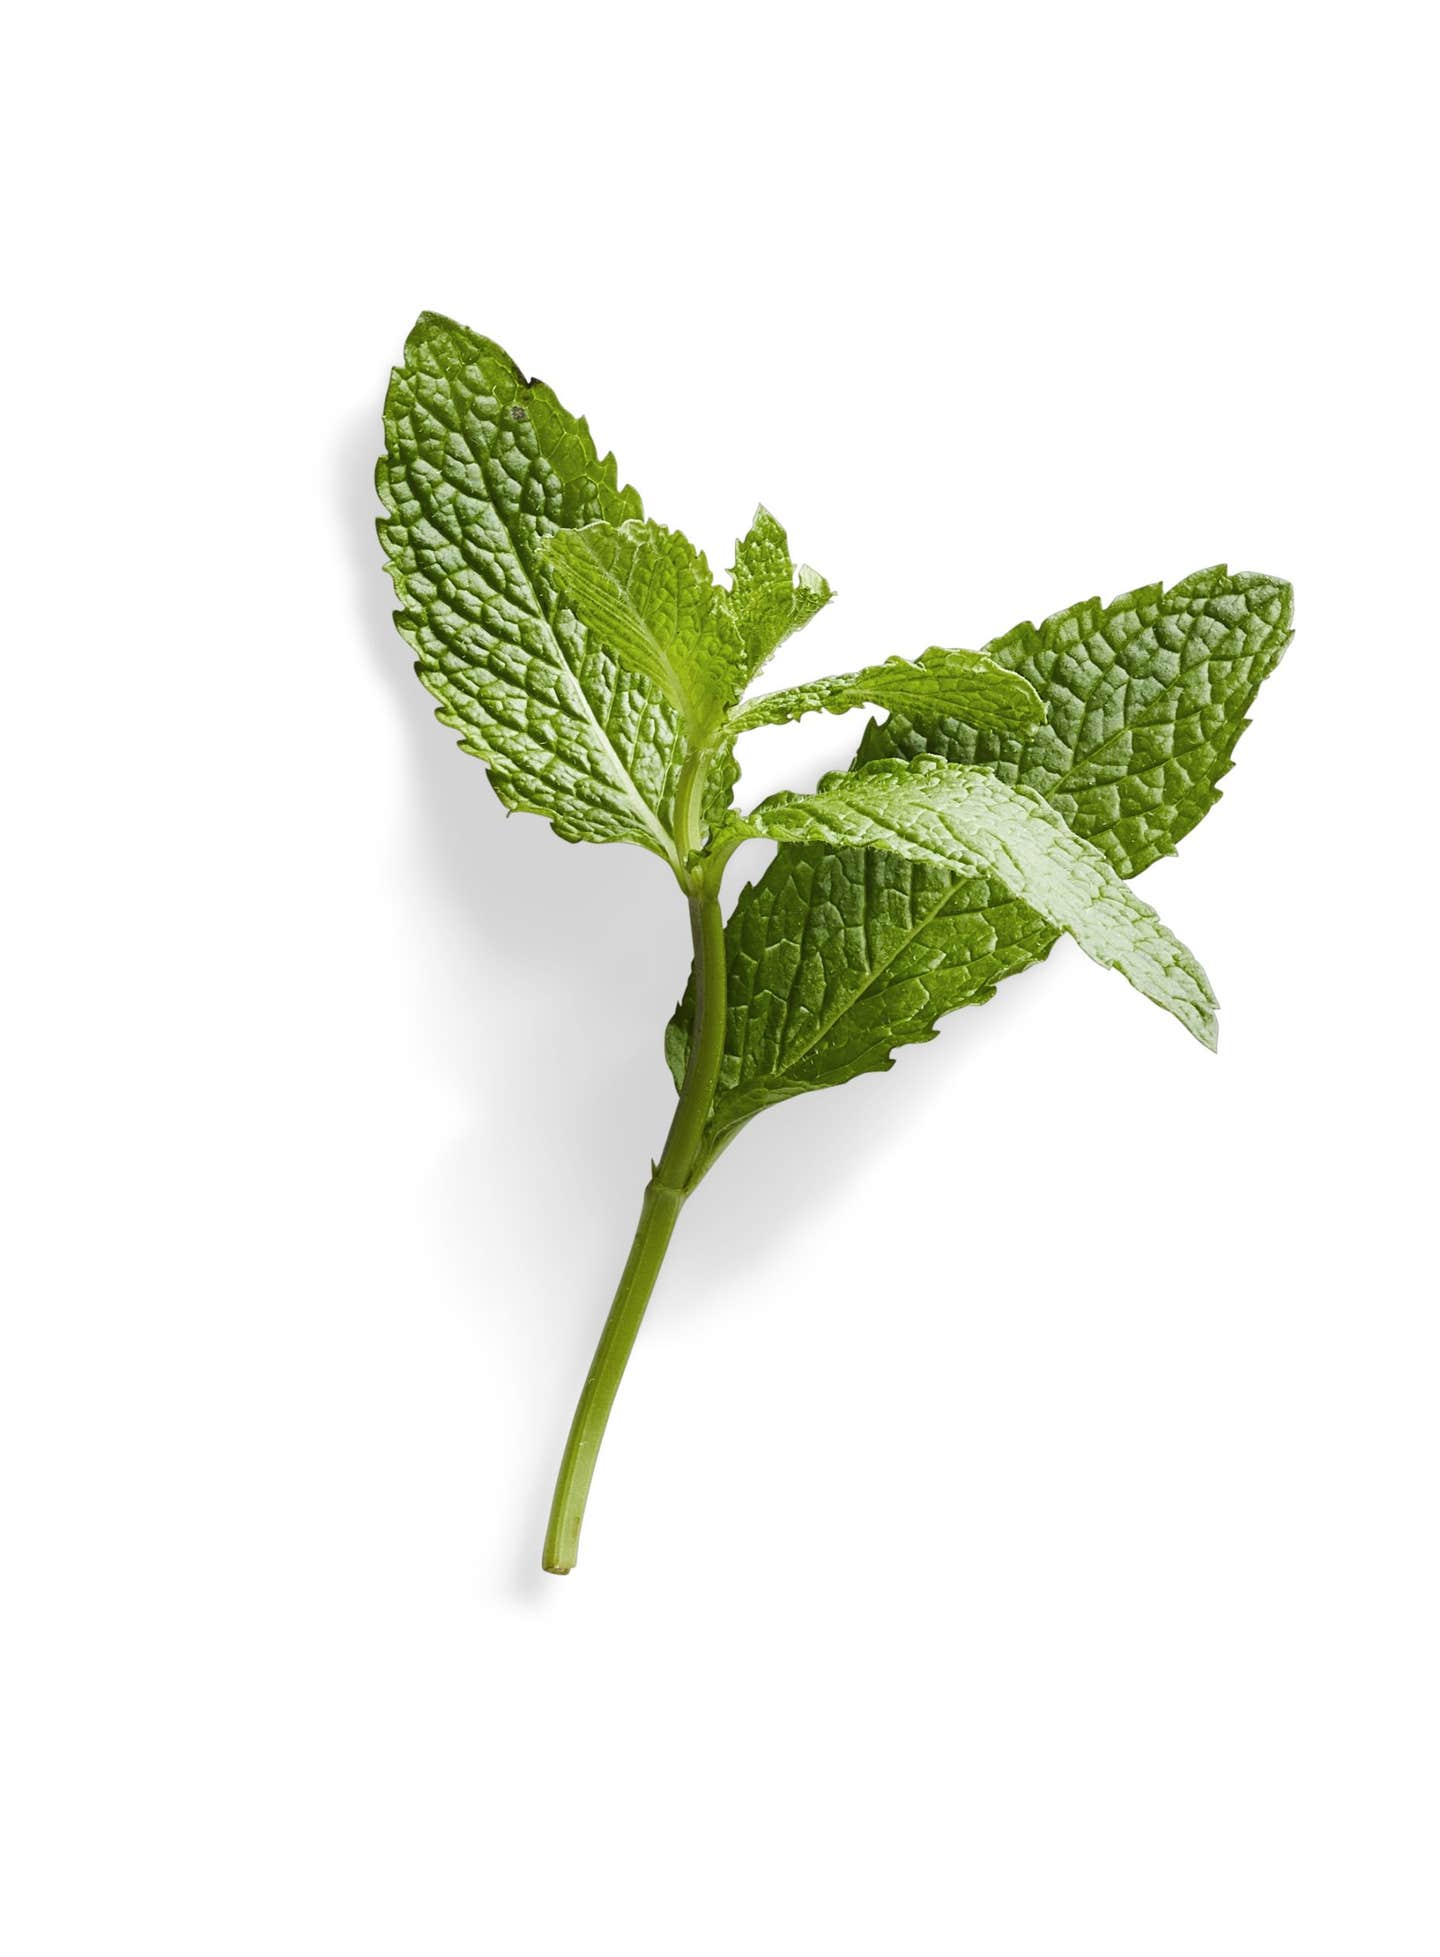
(590, 659)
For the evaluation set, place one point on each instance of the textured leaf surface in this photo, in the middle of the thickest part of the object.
(720, 786)
(647, 595)
(941, 682)
(481, 466)
(1186, 664)
(771, 598)
(1145, 700)
(960, 818)
(835, 957)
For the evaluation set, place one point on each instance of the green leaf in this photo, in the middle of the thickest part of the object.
(647, 594)
(720, 780)
(771, 598)
(959, 818)
(961, 685)
(481, 466)
(1183, 665)
(835, 957)
(1145, 699)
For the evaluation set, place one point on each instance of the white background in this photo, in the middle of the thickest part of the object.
(1017, 1534)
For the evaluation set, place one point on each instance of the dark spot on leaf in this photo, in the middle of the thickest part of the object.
(518, 414)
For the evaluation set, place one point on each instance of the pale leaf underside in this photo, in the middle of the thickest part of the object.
(967, 819)
(942, 681)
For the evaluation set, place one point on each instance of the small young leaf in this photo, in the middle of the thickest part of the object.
(771, 598)
(647, 594)
(481, 466)
(724, 773)
(959, 818)
(961, 685)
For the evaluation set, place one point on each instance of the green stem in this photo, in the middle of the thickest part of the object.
(658, 1213)
(674, 1177)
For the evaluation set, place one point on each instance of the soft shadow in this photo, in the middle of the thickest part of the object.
(571, 962)
(795, 1165)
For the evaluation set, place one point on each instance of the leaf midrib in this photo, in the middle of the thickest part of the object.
(674, 684)
(827, 1026)
(630, 788)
